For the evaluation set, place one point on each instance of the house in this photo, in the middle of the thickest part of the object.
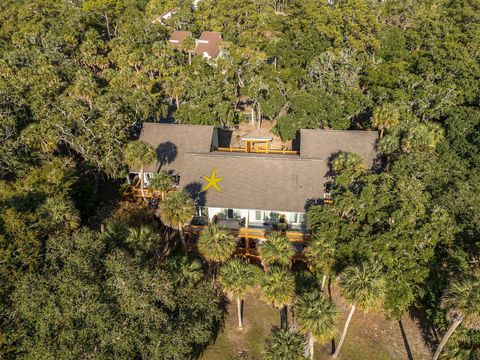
(178, 37)
(195, 4)
(254, 188)
(208, 44)
(167, 15)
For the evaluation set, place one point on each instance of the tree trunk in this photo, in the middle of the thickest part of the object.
(324, 279)
(284, 316)
(182, 239)
(142, 185)
(294, 321)
(310, 345)
(265, 266)
(215, 266)
(449, 332)
(281, 317)
(344, 332)
(108, 24)
(259, 115)
(239, 313)
(189, 58)
(177, 102)
(381, 132)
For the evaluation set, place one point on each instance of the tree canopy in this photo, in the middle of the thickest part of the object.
(79, 78)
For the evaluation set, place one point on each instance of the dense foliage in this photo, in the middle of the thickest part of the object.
(77, 78)
(89, 301)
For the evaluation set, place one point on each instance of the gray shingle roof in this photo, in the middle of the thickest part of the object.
(254, 181)
(172, 141)
(321, 144)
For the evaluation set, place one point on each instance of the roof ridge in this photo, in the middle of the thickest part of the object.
(184, 125)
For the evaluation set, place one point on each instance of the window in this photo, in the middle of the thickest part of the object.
(302, 218)
(203, 211)
(147, 177)
(273, 216)
(293, 217)
(258, 215)
(230, 213)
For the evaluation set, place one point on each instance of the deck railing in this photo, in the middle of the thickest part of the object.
(135, 191)
(253, 253)
(253, 233)
(258, 150)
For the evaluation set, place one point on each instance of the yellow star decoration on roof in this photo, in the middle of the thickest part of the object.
(212, 181)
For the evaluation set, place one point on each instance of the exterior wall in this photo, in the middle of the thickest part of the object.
(215, 138)
(257, 218)
(146, 177)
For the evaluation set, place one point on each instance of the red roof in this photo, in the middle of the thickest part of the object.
(210, 36)
(209, 44)
(178, 36)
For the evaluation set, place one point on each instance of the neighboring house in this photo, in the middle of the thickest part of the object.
(167, 15)
(259, 186)
(208, 44)
(195, 4)
(178, 37)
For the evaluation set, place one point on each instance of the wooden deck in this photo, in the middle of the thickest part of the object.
(135, 192)
(258, 150)
(253, 233)
(253, 254)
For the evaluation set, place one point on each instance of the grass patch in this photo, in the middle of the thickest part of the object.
(254, 340)
(369, 336)
(222, 349)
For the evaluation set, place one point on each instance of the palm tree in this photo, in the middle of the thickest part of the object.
(143, 237)
(278, 289)
(316, 317)
(385, 116)
(462, 301)
(464, 344)
(348, 166)
(237, 278)
(390, 144)
(59, 214)
(188, 45)
(138, 154)
(361, 286)
(176, 211)
(187, 271)
(162, 182)
(216, 245)
(284, 344)
(320, 254)
(276, 250)
(115, 231)
(422, 137)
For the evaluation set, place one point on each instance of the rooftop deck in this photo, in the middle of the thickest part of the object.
(258, 150)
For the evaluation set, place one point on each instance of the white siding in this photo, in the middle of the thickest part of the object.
(258, 217)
